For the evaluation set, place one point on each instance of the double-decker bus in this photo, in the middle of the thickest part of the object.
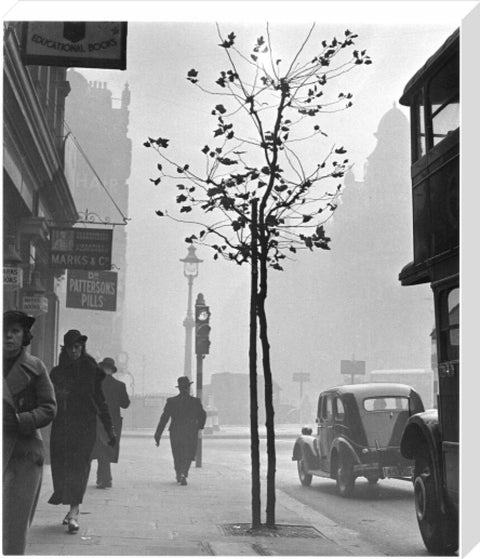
(432, 438)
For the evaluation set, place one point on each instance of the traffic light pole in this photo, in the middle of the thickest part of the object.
(198, 459)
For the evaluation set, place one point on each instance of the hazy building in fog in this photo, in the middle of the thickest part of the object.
(387, 325)
(348, 301)
(98, 144)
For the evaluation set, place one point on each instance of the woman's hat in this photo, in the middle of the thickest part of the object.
(73, 337)
(108, 363)
(18, 317)
(183, 382)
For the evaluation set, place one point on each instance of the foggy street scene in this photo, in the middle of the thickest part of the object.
(231, 278)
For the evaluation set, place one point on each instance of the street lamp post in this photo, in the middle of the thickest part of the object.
(190, 271)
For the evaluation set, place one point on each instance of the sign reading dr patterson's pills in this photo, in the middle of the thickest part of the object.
(81, 249)
(88, 44)
(95, 291)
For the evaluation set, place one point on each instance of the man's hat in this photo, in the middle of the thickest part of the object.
(108, 363)
(72, 337)
(18, 317)
(183, 382)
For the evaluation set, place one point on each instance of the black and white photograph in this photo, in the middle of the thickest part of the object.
(231, 278)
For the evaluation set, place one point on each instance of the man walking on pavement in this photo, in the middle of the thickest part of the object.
(116, 397)
(187, 417)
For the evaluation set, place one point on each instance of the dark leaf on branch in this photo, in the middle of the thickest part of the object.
(159, 166)
(266, 170)
(159, 213)
(155, 181)
(254, 57)
(227, 161)
(185, 209)
(162, 142)
(181, 198)
(147, 144)
(229, 41)
(230, 135)
(281, 187)
(341, 150)
(218, 132)
(221, 109)
(292, 249)
(306, 218)
(205, 149)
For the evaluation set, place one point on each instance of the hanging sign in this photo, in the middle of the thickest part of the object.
(34, 304)
(12, 278)
(87, 44)
(352, 367)
(81, 248)
(95, 291)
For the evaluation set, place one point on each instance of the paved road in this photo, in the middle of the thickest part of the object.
(383, 514)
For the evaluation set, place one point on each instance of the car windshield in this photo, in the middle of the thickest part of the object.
(385, 403)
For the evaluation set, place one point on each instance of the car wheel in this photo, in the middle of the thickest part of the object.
(302, 468)
(438, 536)
(345, 477)
(372, 480)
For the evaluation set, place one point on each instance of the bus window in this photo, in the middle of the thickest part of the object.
(418, 120)
(443, 95)
(338, 410)
(453, 322)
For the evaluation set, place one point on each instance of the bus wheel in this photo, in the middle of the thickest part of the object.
(302, 468)
(427, 508)
(345, 477)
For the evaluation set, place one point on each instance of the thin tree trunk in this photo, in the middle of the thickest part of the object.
(254, 439)
(269, 410)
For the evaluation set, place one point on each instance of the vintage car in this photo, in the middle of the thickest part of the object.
(358, 435)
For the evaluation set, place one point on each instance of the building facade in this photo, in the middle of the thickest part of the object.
(36, 193)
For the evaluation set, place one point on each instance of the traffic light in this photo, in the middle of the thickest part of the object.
(202, 329)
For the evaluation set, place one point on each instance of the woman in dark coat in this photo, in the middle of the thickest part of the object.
(28, 404)
(78, 388)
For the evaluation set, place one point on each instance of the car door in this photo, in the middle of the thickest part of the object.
(325, 429)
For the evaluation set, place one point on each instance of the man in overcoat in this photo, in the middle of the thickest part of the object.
(187, 417)
(116, 397)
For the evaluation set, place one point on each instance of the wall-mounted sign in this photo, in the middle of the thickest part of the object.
(81, 248)
(95, 291)
(34, 304)
(87, 44)
(12, 278)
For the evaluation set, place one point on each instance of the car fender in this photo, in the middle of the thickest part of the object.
(341, 445)
(305, 444)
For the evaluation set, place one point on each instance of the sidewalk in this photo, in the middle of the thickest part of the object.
(147, 513)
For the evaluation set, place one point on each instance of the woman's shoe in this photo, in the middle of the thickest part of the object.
(66, 519)
(73, 526)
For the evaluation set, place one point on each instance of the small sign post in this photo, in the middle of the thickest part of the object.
(352, 368)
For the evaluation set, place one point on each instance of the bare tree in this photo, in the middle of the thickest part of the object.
(270, 110)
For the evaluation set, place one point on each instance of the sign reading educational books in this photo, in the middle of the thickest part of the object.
(87, 44)
(81, 249)
(95, 291)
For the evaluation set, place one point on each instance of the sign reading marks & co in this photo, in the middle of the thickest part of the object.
(96, 291)
(81, 249)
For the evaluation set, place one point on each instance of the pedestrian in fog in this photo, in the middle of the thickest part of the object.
(116, 397)
(187, 417)
(78, 388)
(28, 404)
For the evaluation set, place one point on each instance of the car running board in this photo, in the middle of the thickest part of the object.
(319, 473)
